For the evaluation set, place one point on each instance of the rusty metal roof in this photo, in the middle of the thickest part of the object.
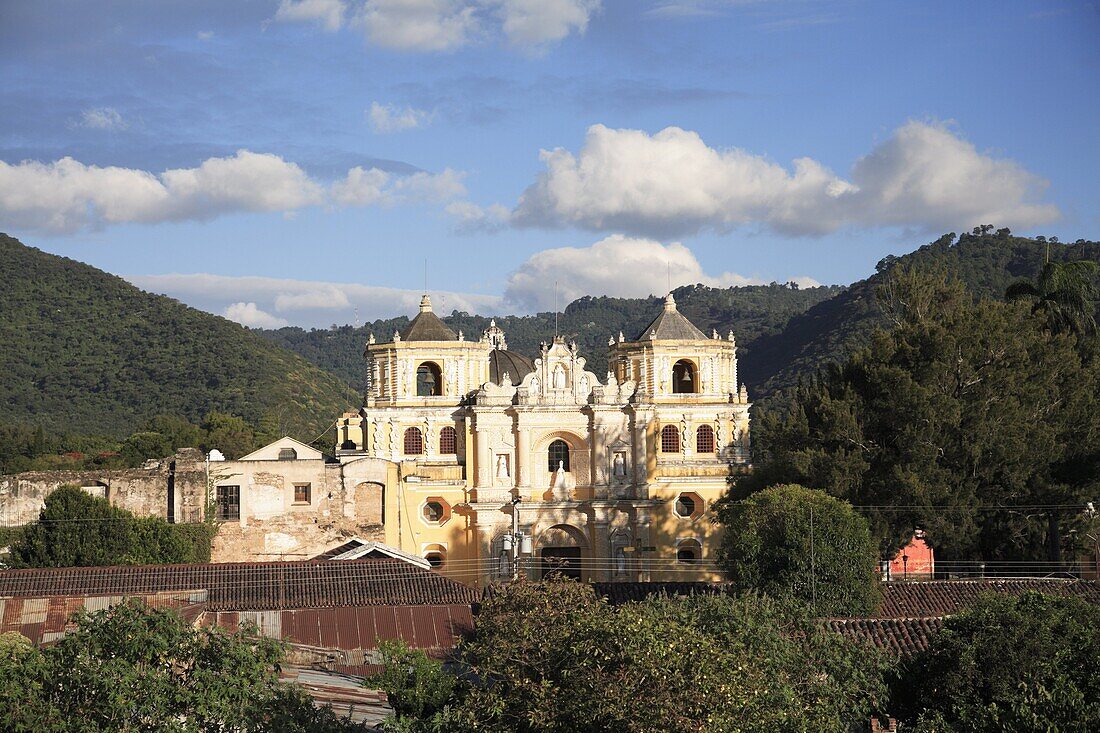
(253, 586)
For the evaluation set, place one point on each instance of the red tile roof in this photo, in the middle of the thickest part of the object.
(947, 597)
(253, 586)
(899, 637)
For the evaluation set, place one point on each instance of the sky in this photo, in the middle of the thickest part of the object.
(311, 162)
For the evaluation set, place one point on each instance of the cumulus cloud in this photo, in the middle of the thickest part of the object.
(471, 218)
(103, 118)
(385, 118)
(418, 25)
(66, 196)
(307, 303)
(617, 266)
(669, 183)
(534, 23)
(247, 314)
(329, 14)
(370, 186)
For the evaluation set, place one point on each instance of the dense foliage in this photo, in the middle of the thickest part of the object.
(76, 529)
(1007, 664)
(794, 541)
(969, 418)
(553, 657)
(131, 668)
(86, 352)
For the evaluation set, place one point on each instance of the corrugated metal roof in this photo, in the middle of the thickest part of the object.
(43, 620)
(253, 586)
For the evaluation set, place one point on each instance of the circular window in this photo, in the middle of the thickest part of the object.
(686, 505)
(435, 559)
(434, 511)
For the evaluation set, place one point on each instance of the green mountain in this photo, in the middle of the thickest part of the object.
(986, 262)
(751, 312)
(84, 351)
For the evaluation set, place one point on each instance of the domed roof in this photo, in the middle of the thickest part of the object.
(518, 366)
(427, 326)
(671, 325)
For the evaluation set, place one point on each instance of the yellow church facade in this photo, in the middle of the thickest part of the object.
(490, 464)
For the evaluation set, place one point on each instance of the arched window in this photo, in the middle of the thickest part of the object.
(558, 453)
(429, 380)
(288, 454)
(414, 442)
(689, 552)
(448, 442)
(704, 439)
(683, 377)
(670, 439)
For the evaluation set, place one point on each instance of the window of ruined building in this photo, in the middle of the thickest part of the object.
(302, 493)
(448, 441)
(429, 380)
(704, 439)
(558, 453)
(683, 377)
(228, 503)
(689, 552)
(670, 439)
(414, 442)
(288, 454)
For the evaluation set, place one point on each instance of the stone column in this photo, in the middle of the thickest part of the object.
(641, 541)
(484, 459)
(486, 525)
(523, 459)
(599, 540)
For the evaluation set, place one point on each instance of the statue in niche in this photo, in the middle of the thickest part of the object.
(584, 385)
(559, 377)
(502, 466)
(619, 466)
(620, 561)
(535, 384)
(559, 475)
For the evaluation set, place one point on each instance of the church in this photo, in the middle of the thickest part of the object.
(508, 464)
(480, 461)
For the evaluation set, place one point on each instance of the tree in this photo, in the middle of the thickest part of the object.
(229, 434)
(77, 529)
(554, 657)
(1030, 663)
(958, 419)
(790, 540)
(1063, 294)
(133, 668)
(142, 446)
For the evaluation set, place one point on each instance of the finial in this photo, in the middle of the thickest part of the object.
(731, 335)
(611, 341)
(714, 333)
(460, 336)
(621, 338)
(396, 336)
(370, 339)
(426, 304)
(670, 302)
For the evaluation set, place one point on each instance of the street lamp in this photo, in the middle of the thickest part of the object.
(905, 567)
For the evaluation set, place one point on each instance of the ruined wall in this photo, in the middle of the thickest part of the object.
(163, 488)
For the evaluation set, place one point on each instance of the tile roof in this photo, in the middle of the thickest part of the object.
(946, 597)
(427, 326)
(253, 586)
(898, 637)
(516, 365)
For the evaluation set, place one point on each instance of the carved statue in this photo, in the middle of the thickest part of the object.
(619, 466)
(502, 466)
(559, 377)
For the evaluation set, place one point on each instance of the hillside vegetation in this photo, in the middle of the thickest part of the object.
(86, 352)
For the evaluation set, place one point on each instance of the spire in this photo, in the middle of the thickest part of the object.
(426, 304)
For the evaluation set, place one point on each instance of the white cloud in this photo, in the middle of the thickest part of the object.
(617, 266)
(103, 118)
(385, 118)
(329, 14)
(471, 218)
(204, 35)
(418, 25)
(534, 23)
(66, 196)
(305, 302)
(672, 183)
(370, 186)
(247, 314)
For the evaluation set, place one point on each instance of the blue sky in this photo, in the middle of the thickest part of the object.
(288, 162)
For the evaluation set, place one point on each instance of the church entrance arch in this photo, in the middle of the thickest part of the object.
(561, 551)
(370, 503)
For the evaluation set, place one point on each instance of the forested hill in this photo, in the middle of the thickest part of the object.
(84, 351)
(750, 312)
(986, 262)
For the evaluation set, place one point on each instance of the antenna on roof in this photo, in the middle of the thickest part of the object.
(557, 306)
(425, 275)
(668, 269)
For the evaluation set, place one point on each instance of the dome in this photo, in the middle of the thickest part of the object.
(671, 325)
(427, 326)
(516, 365)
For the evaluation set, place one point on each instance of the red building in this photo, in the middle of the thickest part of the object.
(915, 560)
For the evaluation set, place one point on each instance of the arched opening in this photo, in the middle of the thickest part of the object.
(689, 552)
(561, 552)
(429, 380)
(414, 442)
(558, 456)
(370, 503)
(436, 555)
(704, 439)
(670, 439)
(448, 441)
(683, 377)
